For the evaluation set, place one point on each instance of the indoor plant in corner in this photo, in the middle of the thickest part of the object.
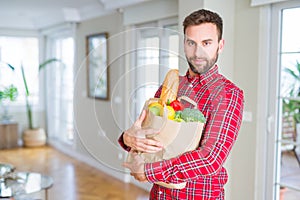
(34, 136)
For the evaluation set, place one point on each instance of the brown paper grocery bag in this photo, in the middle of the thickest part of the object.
(176, 137)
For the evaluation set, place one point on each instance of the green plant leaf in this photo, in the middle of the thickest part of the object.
(25, 82)
(28, 106)
(44, 64)
(292, 73)
(12, 67)
(298, 67)
(8, 65)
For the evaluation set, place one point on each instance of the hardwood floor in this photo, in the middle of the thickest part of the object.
(73, 180)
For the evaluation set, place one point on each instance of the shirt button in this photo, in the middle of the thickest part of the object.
(190, 85)
(160, 192)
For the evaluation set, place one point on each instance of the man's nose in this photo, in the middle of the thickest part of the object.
(199, 51)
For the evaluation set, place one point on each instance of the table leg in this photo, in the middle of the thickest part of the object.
(46, 194)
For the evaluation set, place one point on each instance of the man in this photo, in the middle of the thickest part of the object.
(218, 99)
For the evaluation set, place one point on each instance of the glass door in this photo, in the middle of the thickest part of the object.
(286, 55)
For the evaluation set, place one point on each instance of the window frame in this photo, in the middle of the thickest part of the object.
(266, 173)
(50, 36)
(136, 37)
(39, 107)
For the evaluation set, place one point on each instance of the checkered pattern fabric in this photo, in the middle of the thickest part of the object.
(222, 104)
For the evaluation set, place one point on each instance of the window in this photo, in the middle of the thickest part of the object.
(19, 51)
(284, 95)
(60, 88)
(157, 47)
(288, 143)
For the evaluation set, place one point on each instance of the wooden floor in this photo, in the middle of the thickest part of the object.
(73, 180)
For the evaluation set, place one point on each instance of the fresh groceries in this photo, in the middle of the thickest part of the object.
(178, 121)
(171, 112)
(170, 87)
(155, 108)
(177, 105)
(177, 112)
(169, 103)
(192, 115)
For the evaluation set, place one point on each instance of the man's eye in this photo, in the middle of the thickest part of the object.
(206, 43)
(191, 43)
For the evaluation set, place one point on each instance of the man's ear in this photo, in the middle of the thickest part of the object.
(221, 45)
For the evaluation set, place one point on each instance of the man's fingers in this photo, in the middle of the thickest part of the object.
(126, 165)
(150, 132)
(139, 176)
(147, 145)
(149, 149)
(141, 118)
(152, 142)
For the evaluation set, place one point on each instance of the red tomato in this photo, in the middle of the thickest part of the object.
(176, 105)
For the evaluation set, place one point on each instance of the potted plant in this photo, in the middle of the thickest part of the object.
(34, 136)
(291, 105)
(294, 74)
(291, 109)
(8, 94)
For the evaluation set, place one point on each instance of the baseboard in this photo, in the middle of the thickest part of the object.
(68, 150)
(87, 159)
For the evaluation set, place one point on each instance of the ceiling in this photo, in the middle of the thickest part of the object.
(37, 14)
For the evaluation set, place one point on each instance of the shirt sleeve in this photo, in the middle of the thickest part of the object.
(219, 135)
(122, 144)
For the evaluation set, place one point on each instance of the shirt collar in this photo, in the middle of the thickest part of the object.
(206, 77)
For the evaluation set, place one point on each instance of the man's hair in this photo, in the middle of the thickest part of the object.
(204, 16)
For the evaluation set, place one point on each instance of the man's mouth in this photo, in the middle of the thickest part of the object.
(198, 61)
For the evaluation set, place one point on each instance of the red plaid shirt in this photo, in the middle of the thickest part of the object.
(221, 102)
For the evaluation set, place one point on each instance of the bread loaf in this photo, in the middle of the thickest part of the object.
(170, 86)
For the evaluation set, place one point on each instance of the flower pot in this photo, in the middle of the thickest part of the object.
(34, 137)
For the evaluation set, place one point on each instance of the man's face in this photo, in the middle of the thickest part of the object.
(201, 47)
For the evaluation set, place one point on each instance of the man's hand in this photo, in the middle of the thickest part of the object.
(136, 166)
(135, 137)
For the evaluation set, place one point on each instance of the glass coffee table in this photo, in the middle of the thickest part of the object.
(6, 168)
(15, 184)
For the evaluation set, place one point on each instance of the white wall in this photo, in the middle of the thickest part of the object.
(246, 76)
(97, 126)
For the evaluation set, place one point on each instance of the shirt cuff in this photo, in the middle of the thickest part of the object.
(122, 144)
(157, 171)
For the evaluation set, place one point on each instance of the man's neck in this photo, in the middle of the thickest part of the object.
(192, 74)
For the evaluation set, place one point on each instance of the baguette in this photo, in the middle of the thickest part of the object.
(170, 86)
